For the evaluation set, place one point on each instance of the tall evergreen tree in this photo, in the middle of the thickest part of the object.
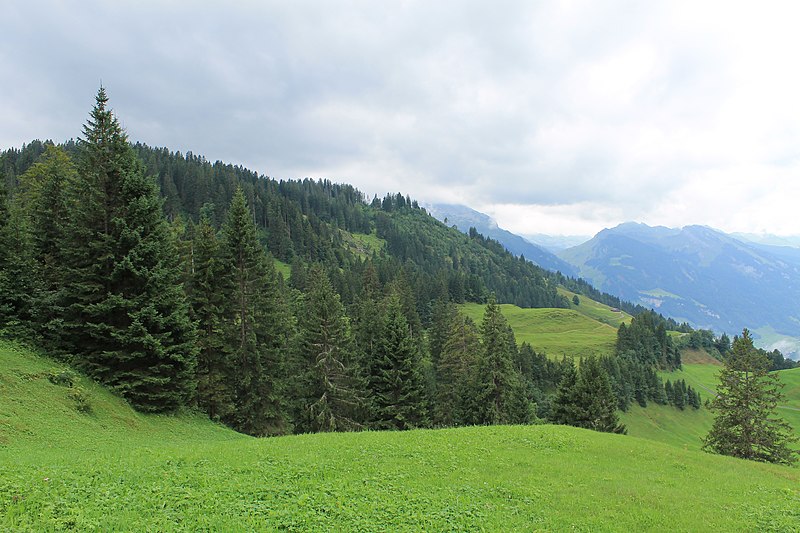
(329, 379)
(746, 424)
(455, 371)
(256, 326)
(396, 380)
(565, 403)
(497, 385)
(206, 297)
(20, 282)
(125, 313)
(42, 193)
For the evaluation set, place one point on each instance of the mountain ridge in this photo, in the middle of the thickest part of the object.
(696, 273)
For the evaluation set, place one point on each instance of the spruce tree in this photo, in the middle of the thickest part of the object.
(746, 424)
(586, 399)
(42, 193)
(497, 379)
(455, 371)
(20, 281)
(255, 324)
(396, 381)
(206, 297)
(329, 384)
(125, 314)
(565, 403)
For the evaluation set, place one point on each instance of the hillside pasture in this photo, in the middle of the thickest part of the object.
(556, 332)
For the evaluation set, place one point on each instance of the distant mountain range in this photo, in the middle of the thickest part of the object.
(695, 274)
(700, 275)
(465, 218)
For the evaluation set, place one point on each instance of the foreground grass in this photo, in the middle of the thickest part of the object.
(556, 332)
(117, 470)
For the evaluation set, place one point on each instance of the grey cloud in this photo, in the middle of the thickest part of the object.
(504, 102)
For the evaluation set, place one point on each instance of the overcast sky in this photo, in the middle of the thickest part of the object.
(553, 117)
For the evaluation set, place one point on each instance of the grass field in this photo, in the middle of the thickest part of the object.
(365, 244)
(687, 428)
(114, 470)
(596, 310)
(282, 268)
(556, 332)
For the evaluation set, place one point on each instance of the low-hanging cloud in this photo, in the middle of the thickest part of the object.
(558, 116)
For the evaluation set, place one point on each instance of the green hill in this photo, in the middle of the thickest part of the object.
(596, 310)
(114, 469)
(556, 332)
(687, 428)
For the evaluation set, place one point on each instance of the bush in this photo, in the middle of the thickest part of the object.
(78, 395)
(63, 377)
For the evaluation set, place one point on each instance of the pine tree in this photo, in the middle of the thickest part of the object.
(42, 193)
(19, 275)
(565, 403)
(497, 379)
(455, 371)
(328, 374)
(396, 380)
(125, 313)
(255, 325)
(206, 298)
(679, 394)
(746, 424)
(586, 399)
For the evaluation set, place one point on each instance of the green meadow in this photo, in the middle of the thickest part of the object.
(112, 469)
(556, 332)
(595, 310)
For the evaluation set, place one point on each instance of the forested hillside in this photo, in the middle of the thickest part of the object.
(155, 273)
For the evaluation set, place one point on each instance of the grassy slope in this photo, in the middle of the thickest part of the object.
(596, 310)
(118, 470)
(283, 269)
(687, 428)
(556, 332)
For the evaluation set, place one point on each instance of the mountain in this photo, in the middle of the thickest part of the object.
(766, 238)
(465, 218)
(556, 243)
(698, 274)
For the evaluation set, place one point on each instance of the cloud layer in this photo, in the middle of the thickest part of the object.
(554, 117)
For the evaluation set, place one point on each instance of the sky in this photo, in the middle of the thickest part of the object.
(556, 117)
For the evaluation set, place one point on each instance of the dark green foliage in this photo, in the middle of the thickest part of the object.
(455, 372)
(746, 424)
(255, 326)
(42, 193)
(396, 375)
(586, 399)
(125, 314)
(20, 283)
(576, 300)
(62, 377)
(499, 393)
(207, 302)
(646, 341)
(328, 385)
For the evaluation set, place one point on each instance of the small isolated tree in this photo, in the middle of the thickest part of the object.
(746, 425)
